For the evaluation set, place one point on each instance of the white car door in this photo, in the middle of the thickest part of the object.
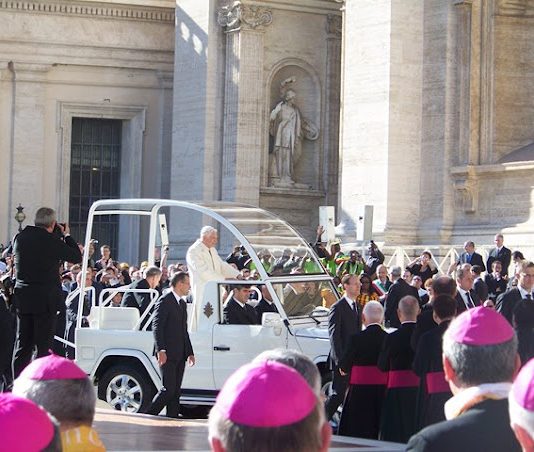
(235, 345)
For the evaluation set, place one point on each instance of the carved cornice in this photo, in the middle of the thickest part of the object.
(67, 7)
(236, 16)
(519, 8)
(334, 25)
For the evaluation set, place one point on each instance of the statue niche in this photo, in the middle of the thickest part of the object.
(287, 130)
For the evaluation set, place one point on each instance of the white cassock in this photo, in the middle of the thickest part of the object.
(204, 264)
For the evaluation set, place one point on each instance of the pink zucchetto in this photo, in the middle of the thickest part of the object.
(266, 394)
(24, 426)
(523, 387)
(52, 367)
(480, 326)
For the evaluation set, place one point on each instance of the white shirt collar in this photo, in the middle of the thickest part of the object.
(523, 292)
(350, 301)
(462, 291)
(239, 303)
(178, 297)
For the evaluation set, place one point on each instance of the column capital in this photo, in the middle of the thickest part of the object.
(237, 16)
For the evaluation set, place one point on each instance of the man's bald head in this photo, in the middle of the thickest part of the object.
(408, 309)
(373, 312)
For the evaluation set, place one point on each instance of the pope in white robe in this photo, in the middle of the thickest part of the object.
(205, 264)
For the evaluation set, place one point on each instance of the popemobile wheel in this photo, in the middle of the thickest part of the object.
(126, 389)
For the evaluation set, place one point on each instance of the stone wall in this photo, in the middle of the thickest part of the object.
(63, 59)
(231, 60)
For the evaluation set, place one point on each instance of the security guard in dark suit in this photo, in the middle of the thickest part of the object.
(38, 252)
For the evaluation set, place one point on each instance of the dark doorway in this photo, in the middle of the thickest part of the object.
(95, 174)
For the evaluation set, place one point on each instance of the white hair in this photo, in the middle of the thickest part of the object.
(298, 361)
(520, 416)
(207, 230)
(373, 312)
(71, 401)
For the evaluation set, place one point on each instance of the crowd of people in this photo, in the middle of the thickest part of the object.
(416, 357)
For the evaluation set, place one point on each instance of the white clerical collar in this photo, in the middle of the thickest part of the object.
(408, 321)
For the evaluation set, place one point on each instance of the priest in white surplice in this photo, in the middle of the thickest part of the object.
(205, 264)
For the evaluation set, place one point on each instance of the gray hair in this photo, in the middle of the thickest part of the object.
(305, 435)
(520, 416)
(409, 306)
(298, 361)
(55, 443)
(45, 217)
(479, 364)
(373, 312)
(69, 401)
(207, 230)
(395, 271)
(462, 271)
(151, 271)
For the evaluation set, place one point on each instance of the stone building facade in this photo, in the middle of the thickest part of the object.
(61, 60)
(421, 108)
(232, 59)
(437, 119)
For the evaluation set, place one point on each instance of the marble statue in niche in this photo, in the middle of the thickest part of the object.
(287, 128)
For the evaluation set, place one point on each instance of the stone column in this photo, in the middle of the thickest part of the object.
(243, 100)
(331, 127)
(382, 113)
(31, 159)
(197, 116)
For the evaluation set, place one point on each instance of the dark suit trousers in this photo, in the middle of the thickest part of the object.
(34, 330)
(340, 384)
(169, 395)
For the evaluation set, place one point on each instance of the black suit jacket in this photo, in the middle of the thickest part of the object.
(507, 302)
(170, 328)
(460, 302)
(137, 300)
(505, 256)
(495, 287)
(476, 259)
(484, 427)
(234, 314)
(398, 289)
(481, 289)
(342, 325)
(37, 258)
(425, 323)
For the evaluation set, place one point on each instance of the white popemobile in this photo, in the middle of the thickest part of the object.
(119, 355)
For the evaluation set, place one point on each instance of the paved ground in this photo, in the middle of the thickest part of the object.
(141, 432)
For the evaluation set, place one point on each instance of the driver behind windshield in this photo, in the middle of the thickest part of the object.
(237, 311)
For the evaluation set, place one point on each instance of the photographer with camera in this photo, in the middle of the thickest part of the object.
(38, 252)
